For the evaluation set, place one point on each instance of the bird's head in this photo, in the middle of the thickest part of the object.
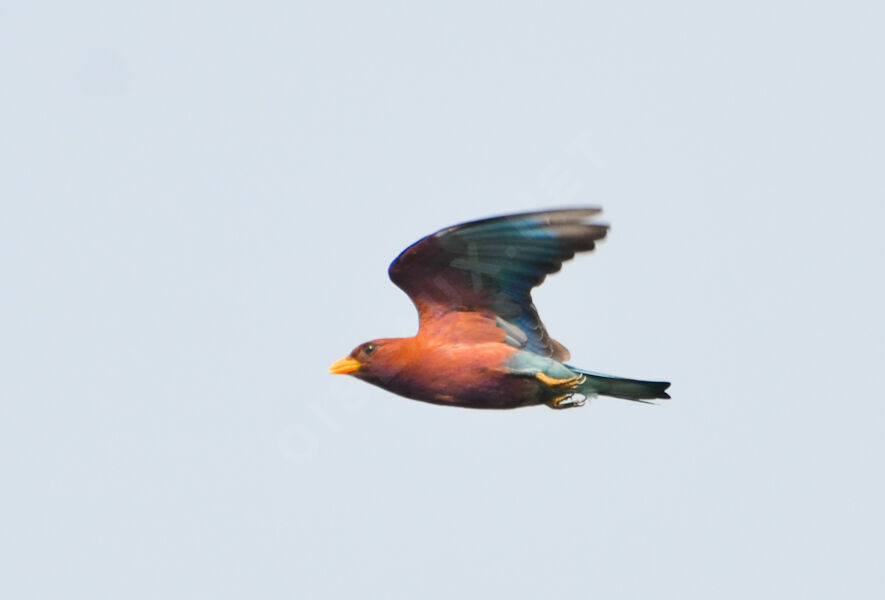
(372, 360)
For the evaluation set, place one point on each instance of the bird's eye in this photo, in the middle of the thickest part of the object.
(369, 349)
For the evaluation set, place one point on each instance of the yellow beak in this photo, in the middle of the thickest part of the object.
(344, 366)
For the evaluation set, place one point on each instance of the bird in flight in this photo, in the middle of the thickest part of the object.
(481, 343)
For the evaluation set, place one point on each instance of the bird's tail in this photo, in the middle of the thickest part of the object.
(618, 387)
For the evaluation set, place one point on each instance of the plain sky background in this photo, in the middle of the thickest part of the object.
(199, 204)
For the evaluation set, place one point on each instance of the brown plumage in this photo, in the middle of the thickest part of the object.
(481, 342)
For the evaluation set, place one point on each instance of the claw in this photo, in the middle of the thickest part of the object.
(568, 401)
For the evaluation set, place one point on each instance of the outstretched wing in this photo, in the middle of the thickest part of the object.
(491, 265)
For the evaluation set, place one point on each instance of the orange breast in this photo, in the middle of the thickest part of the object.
(462, 372)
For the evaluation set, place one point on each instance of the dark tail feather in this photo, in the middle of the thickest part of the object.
(618, 387)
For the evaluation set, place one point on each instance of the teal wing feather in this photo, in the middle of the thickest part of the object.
(492, 265)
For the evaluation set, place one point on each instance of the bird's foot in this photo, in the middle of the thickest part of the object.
(567, 401)
(568, 383)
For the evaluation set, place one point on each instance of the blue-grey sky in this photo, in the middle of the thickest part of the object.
(200, 201)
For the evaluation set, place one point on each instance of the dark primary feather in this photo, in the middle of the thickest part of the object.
(493, 264)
